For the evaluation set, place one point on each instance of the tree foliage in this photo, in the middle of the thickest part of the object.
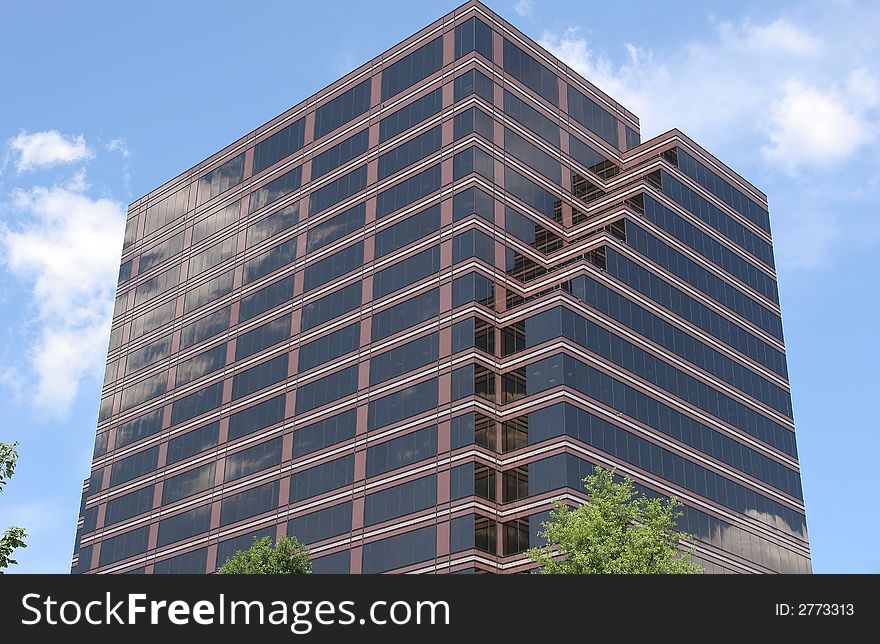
(618, 531)
(14, 536)
(287, 557)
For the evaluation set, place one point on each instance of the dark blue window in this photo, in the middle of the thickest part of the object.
(196, 403)
(408, 191)
(407, 231)
(327, 389)
(281, 144)
(337, 190)
(330, 346)
(193, 442)
(416, 112)
(342, 109)
(256, 378)
(249, 503)
(474, 82)
(406, 314)
(401, 550)
(262, 337)
(253, 459)
(188, 483)
(400, 360)
(124, 546)
(270, 261)
(400, 500)
(473, 35)
(411, 401)
(256, 417)
(331, 306)
(322, 478)
(338, 227)
(402, 451)
(530, 72)
(320, 525)
(140, 427)
(340, 154)
(184, 525)
(336, 265)
(530, 118)
(128, 505)
(408, 271)
(136, 465)
(266, 298)
(275, 189)
(412, 68)
(325, 432)
(595, 118)
(409, 152)
(201, 365)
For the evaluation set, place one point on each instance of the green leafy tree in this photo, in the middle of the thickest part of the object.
(287, 557)
(617, 531)
(14, 536)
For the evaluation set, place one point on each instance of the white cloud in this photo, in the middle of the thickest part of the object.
(66, 249)
(118, 145)
(814, 128)
(523, 7)
(792, 102)
(46, 149)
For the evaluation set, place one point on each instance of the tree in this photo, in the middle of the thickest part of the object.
(617, 531)
(287, 557)
(14, 536)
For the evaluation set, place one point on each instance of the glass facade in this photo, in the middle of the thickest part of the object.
(407, 290)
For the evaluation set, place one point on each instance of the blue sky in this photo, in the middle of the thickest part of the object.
(103, 101)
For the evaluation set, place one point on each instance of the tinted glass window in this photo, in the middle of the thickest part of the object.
(406, 314)
(474, 82)
(331, 306)
(270, 261)
(326, 432)
(272, 224)
(531, 73)
(416, 112)
(408, 153)
(473, 201)
(400, 500)
(129, 505)
(256, 378)
(208, 362)
(188, 483)
(249, 503)
(160, 252)
(402, 359)
(219, 220)
(196, 403)
(399, 452)
(412, 68)
(327, 389)
(411, 401)
(266, 298)
(340, 154)
(407, 271)
(140, 427)
(256, 417)
(281, 144)
(337, 190)
(473, 35)
(254, 459)
(322, 478)
(184, 525)
(336, 265)
(262, 337)
(221, 179)
(407, 231)
(330, 346)
(204, 328)
(529, 117)
(401, 550)
(320, 525)
(209, 291)
(124, 545)
(275, 189)
(338, 227)
(193, 442)
(134, 466)
(586, 112)
(408, 191)
(342, 109)
(532, 156)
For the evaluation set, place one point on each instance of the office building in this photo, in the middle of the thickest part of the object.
(400, 319)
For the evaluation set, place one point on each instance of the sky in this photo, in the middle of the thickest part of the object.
(103, 101)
